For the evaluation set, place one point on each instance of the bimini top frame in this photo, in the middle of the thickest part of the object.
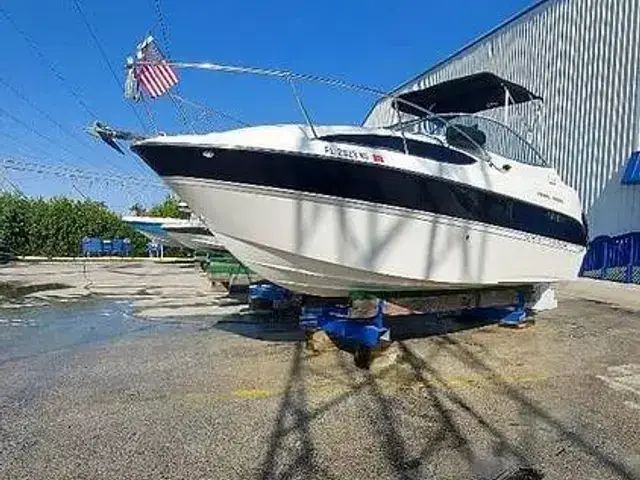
(470, 94)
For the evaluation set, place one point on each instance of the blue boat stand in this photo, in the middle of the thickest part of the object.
(366, 335)
(363, 335)
(267, 295)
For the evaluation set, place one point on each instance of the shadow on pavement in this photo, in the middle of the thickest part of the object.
(264, 325)
(405, 327)
(449, 425)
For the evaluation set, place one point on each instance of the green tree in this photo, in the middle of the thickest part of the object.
(14, 222)
(138, 209)
(56, 226)
(169, 207)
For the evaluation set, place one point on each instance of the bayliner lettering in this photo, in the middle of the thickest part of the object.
(345, 153)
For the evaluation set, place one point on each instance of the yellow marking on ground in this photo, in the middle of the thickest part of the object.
(324, 390)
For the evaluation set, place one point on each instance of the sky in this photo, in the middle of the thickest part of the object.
(56, 79)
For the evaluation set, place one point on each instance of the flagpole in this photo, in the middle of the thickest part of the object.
(270, 73)
(288, 75)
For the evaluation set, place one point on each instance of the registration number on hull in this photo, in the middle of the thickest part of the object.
(351, 154)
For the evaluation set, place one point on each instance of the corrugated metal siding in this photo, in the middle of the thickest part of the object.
(582, 56)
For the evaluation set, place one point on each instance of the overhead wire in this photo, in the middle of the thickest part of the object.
(64, 171)
(55, 70)
(79, 177)
(163, 24)
(80, 192)
(182, 115)
(29, 128)
(47, 138)
(31, 150)
(60, 77)
(150, 115)
(34, 150)
(164, 29)
(43, 113)
(114, 75)
(5, 178)
(104, 56)
(47, 63)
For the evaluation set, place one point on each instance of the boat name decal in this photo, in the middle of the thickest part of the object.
(352, 154)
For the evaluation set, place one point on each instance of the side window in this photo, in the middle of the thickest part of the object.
(417, 148)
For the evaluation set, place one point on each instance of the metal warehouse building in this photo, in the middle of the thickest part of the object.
(583, 58)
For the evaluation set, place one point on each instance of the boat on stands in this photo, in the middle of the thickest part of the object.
(447, 197)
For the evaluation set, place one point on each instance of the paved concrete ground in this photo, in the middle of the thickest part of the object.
(221, 396)
(159, 289)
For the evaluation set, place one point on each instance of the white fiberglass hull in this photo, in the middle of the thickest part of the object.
(330, 247)
(325, 217)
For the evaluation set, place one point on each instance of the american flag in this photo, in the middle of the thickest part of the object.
(153, 72)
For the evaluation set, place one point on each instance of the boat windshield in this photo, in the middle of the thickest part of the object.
(467, 131)
(449, 110)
